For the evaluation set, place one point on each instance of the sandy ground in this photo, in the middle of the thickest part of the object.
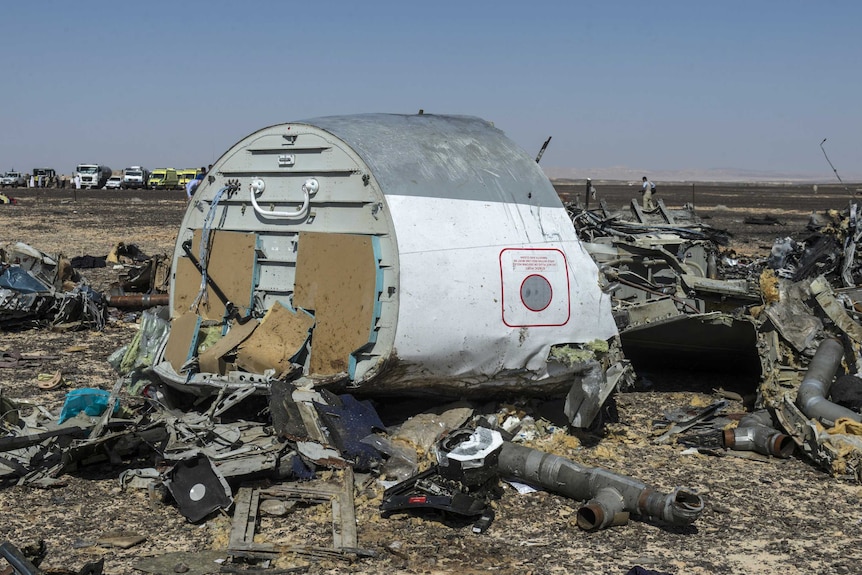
(762, 516)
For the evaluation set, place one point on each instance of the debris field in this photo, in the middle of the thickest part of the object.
(756, 513)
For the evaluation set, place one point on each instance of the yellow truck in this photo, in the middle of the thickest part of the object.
(186, 175)
(164, 179)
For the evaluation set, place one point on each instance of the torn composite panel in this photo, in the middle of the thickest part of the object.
(335, 296)
(229, 263)
(337, 280)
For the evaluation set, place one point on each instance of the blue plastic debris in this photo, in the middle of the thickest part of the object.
(91, 401)
(18, 279)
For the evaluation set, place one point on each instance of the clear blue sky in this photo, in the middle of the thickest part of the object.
(663, 85)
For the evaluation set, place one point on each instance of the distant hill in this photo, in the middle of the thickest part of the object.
(624, 174)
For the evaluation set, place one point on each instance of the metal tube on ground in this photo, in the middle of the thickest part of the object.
(609, 496)
(19, 563)
(138, 301)
(756, 432)
(811, 397)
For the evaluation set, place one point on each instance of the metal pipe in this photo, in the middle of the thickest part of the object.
(756, 432)
(138, 301)
(19, 563)
(811, 397)
(610, 497)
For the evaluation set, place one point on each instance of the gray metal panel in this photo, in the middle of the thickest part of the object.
(454, 157)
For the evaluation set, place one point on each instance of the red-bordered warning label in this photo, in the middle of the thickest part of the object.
(535, 286)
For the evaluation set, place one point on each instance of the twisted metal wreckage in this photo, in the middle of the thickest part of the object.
(36, 289)
(41, 291)
(389, 256)
(780, 316)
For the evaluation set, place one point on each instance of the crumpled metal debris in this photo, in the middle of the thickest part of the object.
(141, 273)
(38, 290)
(660, 276)
(660, 273)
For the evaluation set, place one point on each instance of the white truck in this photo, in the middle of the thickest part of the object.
(12, 179)
(135, 177)
(93, 176)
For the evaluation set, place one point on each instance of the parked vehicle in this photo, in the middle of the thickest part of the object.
(186, 175)
(48, 175)
(12, 179)
(93, 176)
(164, 179)
(135, 177)
(114, 183)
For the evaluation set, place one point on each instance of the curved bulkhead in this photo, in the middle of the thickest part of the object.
(382, 251)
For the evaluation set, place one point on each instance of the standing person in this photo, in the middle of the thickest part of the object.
(32, 181)
(193, 184)
(648, 189)
(77, 181)
(590, 193)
